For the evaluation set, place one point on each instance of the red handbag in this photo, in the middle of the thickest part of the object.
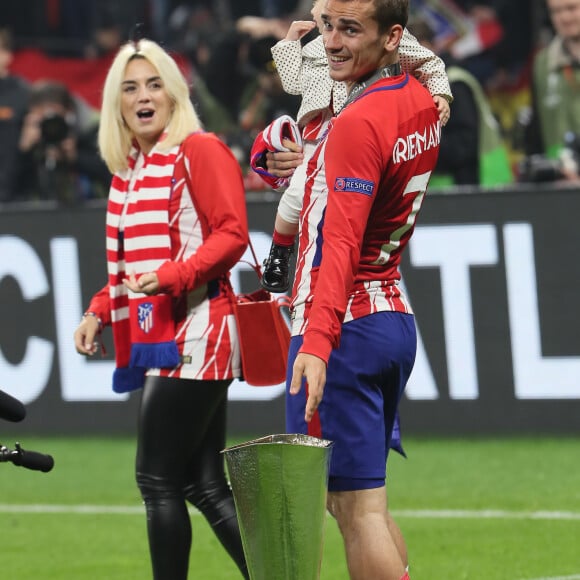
(263, 335)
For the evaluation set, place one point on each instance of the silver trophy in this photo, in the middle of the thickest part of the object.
(279, 484)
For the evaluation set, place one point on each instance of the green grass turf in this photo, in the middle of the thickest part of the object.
(519, 477)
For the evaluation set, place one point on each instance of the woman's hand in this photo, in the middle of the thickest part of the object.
(146, 283)
(85, 335)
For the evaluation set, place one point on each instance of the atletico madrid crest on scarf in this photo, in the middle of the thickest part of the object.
(145, 316)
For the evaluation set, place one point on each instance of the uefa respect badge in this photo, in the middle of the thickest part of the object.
(354, 185)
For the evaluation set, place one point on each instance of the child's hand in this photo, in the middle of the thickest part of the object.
(443, 109)
(299, 28)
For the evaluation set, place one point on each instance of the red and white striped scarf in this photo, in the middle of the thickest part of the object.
(138, 240)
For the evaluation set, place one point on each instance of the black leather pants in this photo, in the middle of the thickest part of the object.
(182, 425)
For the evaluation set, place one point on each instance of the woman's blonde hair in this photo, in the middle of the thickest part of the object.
(115, 137)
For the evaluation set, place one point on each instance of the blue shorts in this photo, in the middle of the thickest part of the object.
(365, 380)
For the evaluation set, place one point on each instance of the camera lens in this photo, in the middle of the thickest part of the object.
(539, 169)
(53, 129)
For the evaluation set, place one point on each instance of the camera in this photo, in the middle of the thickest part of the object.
(54, 129)
(540, 169)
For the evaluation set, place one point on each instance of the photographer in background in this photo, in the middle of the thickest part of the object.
(552, 133)
(472, 151)
(13, 105)
(58, 157)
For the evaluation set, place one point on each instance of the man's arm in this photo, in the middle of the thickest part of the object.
(349, 152)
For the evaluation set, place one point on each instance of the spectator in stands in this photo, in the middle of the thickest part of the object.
(195, 34)
(556, 88)
(480, 36)
(472, 151)
(274, 20)
(125, 14)
(73, 23)
(264, 98)
(268, 9)
(476, 50)
(226, 72)
(241, 92)
(58, 160)
(508, 59)
(107, 36)
(28, 21)
(13, 105)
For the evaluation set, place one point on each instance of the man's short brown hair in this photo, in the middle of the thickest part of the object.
(391, 12)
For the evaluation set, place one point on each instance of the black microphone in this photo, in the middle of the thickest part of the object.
(29, 459)
(32, 460)
(11, 409)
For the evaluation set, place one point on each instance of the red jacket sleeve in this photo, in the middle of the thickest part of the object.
(258, 164)
(101, 306)
(217, 189)
(271, 139)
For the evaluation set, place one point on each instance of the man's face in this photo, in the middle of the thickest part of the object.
(565, 16)
(351, 36)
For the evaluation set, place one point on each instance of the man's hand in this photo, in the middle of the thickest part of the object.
(313, 369)
(283, 163)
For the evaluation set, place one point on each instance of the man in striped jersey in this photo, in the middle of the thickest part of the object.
(354, 341)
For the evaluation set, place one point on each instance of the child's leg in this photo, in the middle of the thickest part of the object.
(276, 274)
(291, 201)
(276, 277)
(284, 227)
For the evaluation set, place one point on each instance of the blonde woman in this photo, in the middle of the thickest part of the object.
(176, 224)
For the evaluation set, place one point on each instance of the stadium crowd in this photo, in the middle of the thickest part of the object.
(63, 48)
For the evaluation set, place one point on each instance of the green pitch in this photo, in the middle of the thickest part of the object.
(489, 509)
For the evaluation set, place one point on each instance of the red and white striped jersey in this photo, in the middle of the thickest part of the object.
(365, 185)
(209, 233)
